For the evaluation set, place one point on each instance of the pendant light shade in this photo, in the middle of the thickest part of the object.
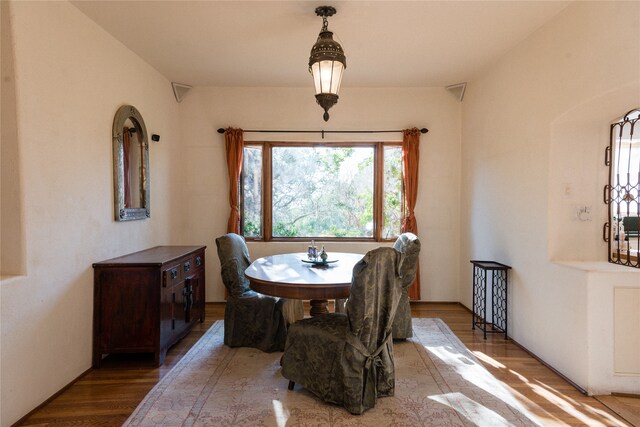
(327, 62)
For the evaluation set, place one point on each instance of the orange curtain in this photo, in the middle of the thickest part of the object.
(410, 160)
(234, 144)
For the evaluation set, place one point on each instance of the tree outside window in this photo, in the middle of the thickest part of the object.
(328, 191)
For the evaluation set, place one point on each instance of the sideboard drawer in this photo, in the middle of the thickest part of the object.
(193, 264)
(172, 275)
(198, 259)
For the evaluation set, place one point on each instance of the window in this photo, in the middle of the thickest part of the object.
(623, 191)
(330, 191)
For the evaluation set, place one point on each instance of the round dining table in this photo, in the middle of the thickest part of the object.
(294, 276)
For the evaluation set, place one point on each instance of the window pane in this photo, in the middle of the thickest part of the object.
(252, 188)
(392, 203)
(322, 191)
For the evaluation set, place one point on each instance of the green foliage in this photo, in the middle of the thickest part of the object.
(252, 188)
(392, 203)
(251, 229)
(285, 230)
(320, 191)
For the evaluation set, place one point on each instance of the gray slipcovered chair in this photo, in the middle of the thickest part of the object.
(250, 318)
(347, 358)
(409, 245)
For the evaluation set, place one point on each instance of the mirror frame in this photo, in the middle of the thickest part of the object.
(121, 212)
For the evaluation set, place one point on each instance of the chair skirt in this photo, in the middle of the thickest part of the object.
(318, 357)
(255, 320)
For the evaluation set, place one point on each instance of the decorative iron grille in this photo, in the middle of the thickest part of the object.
(622, 156)
(498, 297)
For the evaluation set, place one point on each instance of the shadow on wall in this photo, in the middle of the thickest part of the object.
(12, 251)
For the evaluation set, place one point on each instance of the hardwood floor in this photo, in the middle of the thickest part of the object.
(547, 395)
(626, 406)
(107, 396)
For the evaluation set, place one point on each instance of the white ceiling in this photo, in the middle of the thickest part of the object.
(267, 43)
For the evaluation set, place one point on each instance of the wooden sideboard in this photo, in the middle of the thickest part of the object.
(146, 301)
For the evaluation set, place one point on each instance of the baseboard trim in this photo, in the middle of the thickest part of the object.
(53, 396)
(554, 370)
(212, 303)
(632, 395)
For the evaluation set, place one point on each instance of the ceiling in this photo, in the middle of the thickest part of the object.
(267, 43)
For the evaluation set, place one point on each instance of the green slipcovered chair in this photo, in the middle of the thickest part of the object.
(409, 245)
(631, 226)
(347, 359)
(250, 318)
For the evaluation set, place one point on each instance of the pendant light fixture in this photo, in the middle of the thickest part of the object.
(326, 63)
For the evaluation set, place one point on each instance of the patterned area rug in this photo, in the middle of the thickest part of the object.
(438, 383)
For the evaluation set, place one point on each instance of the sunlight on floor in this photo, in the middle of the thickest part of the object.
(488, 360)
(281, 415)
(580, 412)
(480, 412)
(474, 373)
(574, 408)
(478, 377)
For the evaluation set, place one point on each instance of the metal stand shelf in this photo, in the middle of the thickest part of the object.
(498, 322)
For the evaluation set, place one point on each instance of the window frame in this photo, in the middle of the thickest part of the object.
(267, 186)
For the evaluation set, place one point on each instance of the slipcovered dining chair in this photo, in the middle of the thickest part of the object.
(250, 318)
(409, 245)
(347, 359)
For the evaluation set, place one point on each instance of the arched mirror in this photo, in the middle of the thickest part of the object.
(130, 165)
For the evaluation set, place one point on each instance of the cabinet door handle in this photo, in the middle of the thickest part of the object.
(188, 288)
(187, 293)
(198, 261)
(185, 299)
(174, 273)
(187, 266)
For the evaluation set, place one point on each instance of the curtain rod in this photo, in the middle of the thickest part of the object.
(423, 130)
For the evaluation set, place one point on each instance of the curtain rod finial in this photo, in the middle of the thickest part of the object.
(221, 130)
(424, 130)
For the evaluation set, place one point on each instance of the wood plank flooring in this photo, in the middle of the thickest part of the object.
(107, 396)
(625, 406)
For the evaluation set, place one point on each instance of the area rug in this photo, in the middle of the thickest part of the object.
(439, 382)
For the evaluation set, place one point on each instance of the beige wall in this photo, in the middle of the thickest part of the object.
(70, 77)
(205, 109)
(535, 126)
